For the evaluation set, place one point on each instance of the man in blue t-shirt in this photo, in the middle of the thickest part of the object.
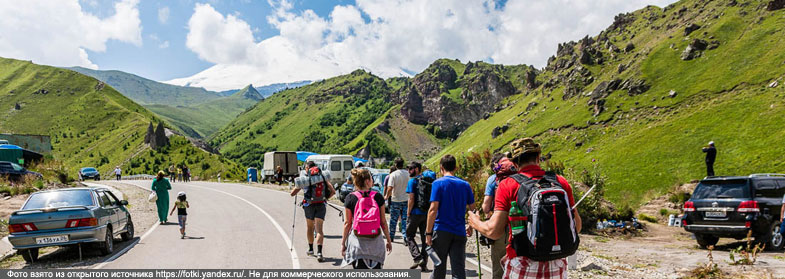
(416, 216)
(446, 231)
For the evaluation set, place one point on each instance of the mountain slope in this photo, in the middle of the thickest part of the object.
(203, 119)
(641, 98)
(90, 124)
(145, 91)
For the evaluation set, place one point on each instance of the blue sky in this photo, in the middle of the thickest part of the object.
(221, 45)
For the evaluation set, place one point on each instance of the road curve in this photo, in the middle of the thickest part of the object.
(234, 226)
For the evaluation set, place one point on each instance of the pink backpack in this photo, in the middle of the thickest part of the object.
(367, 218)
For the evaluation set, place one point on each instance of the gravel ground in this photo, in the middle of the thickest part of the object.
(142, 213)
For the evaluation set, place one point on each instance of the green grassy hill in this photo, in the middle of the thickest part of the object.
(204, 119)
(627, 100)
(321, 117)
(90, 124)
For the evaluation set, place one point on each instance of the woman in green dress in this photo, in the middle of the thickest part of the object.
(161, 187)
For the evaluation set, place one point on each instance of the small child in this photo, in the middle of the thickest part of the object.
(181, 204)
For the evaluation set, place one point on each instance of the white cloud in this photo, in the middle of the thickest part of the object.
(163, 15)
(389, 37)
(165, 44)
(59, 32)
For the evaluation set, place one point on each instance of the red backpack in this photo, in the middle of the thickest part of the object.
(367, 216)
(315, 193)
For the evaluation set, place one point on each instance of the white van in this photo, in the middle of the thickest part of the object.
(340, 166)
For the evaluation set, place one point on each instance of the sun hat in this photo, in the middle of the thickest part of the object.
(523, 146)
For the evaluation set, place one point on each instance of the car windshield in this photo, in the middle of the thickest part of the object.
(88, 170)
(722, 189)
(59, 199)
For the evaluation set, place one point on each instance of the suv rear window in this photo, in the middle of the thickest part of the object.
(722, 189)
(59, 199)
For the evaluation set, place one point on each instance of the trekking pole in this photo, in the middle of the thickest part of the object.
(294, 219)
(584, 196)
(340, 212)
(479, 263)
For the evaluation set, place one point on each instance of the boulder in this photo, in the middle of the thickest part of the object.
(630, 46)
(148, 137)
(590, 266)
(530, 106)
(100, 86)
(159, 139)
(499, 130)
(691, 28)
(773, 84)
(17, 107)
(694, 49)
(672, 94)
(775, 5)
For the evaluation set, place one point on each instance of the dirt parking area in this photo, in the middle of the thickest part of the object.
(142, 213)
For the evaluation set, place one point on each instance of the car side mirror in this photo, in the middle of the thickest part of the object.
(124, 202)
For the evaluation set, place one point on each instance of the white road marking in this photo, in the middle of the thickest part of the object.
(121, 252)
(469, 260)
(293, 252)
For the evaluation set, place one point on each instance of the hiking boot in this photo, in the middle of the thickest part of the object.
(319, 257)
(309, 253)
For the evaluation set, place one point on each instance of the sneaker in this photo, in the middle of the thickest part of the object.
(415, 264)
(309, 253)
(182, 236)
(319, 257)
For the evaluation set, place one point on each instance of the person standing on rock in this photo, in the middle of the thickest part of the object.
(525, 155)
(396, 191)
(446, 231)
(161, 187)
(497, 246)
(711, 155)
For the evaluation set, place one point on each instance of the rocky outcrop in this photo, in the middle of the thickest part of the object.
(431, 98)
(158, 138)
(694, 49)
(148, 137)
(499, 130)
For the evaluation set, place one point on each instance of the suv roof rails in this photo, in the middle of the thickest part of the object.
(767, 175)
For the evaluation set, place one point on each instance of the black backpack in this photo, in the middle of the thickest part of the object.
(550, 225)
(422, 197)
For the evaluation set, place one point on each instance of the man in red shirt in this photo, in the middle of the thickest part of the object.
(525, 154)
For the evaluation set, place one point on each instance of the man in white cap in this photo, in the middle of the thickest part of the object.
(711, 155)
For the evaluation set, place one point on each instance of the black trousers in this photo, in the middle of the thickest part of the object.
(709, 168)
(453, 245)
(417, 222)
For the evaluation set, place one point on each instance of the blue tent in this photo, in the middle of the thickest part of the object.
(302, 155)
(9, 146)
(360, 160)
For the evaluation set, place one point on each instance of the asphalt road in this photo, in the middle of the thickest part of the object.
(239, 226)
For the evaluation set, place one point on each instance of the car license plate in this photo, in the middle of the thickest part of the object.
(51, 239)
(715, 214)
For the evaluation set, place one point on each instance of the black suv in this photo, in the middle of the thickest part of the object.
(731, 206)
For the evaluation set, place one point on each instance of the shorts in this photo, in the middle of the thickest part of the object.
(181, 220)
(315, 210)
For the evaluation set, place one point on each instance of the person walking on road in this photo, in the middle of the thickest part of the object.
(446, 232)
(172, 173)
(161, 187)
(525, 155)
(396, 191)
(711, 155)
(186, 173)
(181, 204)
(118, 172)
(497, 246)
(365, 228)
(419, 190)
(180, 173)
(315, 209)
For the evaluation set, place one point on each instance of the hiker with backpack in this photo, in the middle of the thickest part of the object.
(315, 197)
(419, 190)
(498, 246)
(396, 192)
(537, 205)
(446, 231)
(365, 228)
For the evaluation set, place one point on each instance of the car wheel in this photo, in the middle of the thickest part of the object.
(129, 231)
(107, 246)
(773, 239)
(29, 255)
(705, 240)
(97, 178)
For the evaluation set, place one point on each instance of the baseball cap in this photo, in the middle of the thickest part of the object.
(523, 146)
(711, 143)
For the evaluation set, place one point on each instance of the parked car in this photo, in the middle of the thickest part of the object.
(14, 172)
(68, 217)
(347, 189)
(88, 173)
(731, 206)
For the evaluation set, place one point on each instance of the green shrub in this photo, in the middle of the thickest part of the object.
(679, 197)
(647, 218)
